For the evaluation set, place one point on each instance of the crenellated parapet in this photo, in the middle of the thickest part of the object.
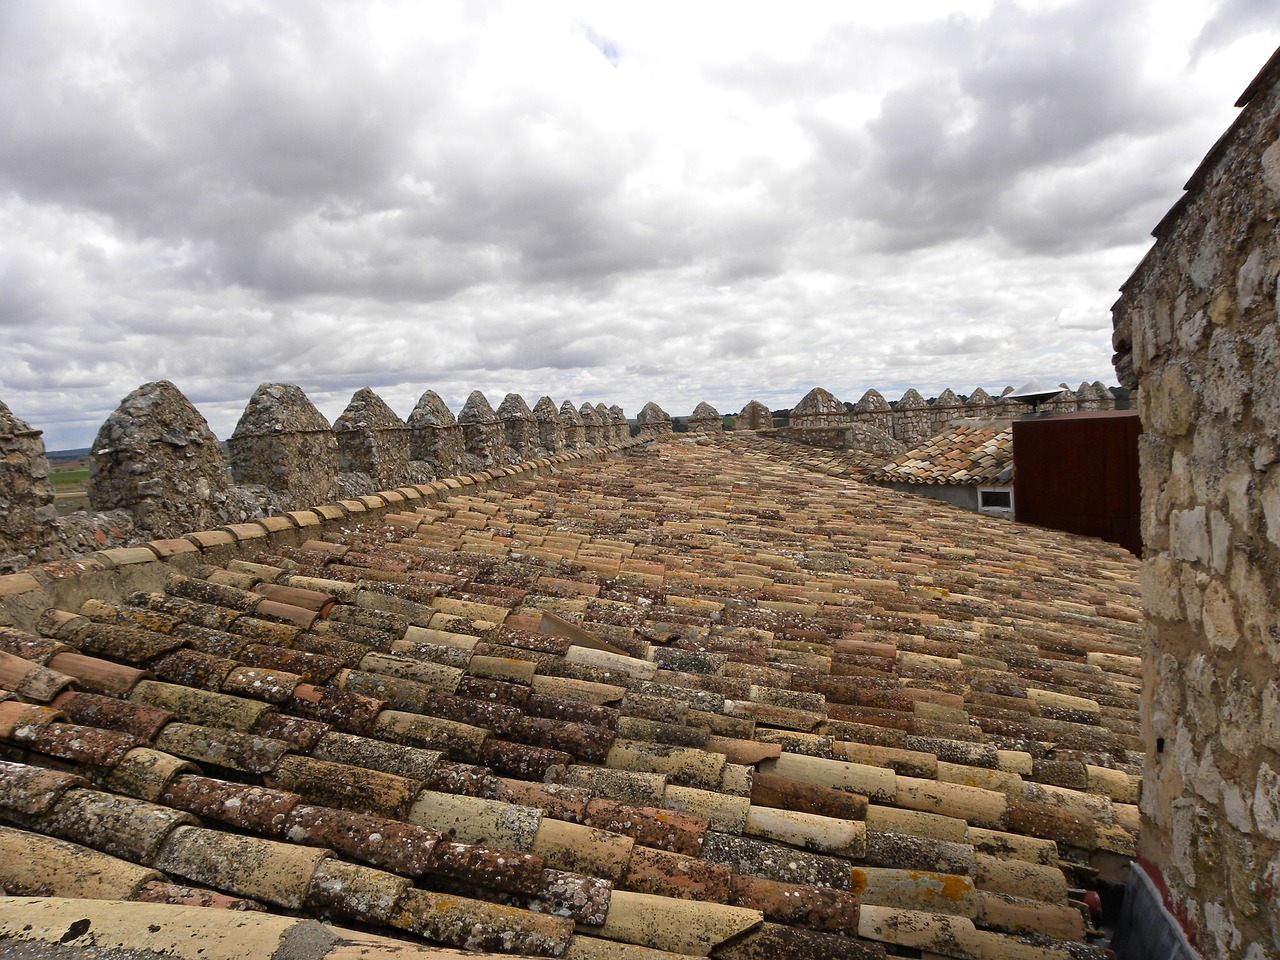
(372, 443)
(592, 426)
(284, 444)
(575, 434)
(156, 457)
(157, 472)
(482, 435)
(755, 416)
(1009, 408)
(550, 425)
(1094, 396)
(608, 429)
(28, 517)
(705, 419)
(874, 410)
(945, 408)
(911, 422)
(820, 419)
(436, 446)
(654, 421)
(621, 429)
(979, 405)
(1064, 402)
(519, 429)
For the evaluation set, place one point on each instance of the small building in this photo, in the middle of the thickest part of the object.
(970, 465)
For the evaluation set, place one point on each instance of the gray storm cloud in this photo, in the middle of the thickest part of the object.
(586, 200)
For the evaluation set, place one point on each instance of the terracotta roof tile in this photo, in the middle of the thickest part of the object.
(124, 827)
(179, 894)
(747, 685)
(35, 865)
(387, 843)
(32, 791)
(266, 870)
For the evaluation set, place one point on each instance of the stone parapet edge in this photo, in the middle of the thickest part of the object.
(114, 573)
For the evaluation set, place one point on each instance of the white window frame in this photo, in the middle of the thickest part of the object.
(996, 511)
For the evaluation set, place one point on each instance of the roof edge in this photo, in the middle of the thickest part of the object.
(1268, 75)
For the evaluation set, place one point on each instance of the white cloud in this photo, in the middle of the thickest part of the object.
(597, 201)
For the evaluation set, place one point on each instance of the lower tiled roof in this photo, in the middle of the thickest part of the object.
(967, 453)
(690, 701)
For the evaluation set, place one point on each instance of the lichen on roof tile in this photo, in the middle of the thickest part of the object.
(690, 672)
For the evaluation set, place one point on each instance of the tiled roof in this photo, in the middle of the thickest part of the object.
(690, 701)
(967, 453)
(851, 464)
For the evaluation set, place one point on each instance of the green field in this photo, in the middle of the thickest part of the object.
(69, 476)
(69, 483)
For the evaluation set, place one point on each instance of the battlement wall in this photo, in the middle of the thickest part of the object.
(157, 471)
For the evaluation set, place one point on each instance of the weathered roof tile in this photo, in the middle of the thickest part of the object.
(762, 688)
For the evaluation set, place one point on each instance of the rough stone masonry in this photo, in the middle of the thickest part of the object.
(1196, 331)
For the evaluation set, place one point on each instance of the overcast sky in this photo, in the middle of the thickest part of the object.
(599, 201)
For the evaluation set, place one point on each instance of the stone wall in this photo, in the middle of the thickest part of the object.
(1196, 333)
(28, 517)
(705, 419)
(156, 457)
(157, 471)
(283, 443)
(654, 421)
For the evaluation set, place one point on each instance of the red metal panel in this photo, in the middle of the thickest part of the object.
(1079, 473)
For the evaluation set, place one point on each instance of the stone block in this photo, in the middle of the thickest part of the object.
(157, 458)
(481, 433)
(285, 444)
(435, 437)
(372, 440)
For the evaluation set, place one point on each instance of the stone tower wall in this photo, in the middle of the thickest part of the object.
(1196, 333)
